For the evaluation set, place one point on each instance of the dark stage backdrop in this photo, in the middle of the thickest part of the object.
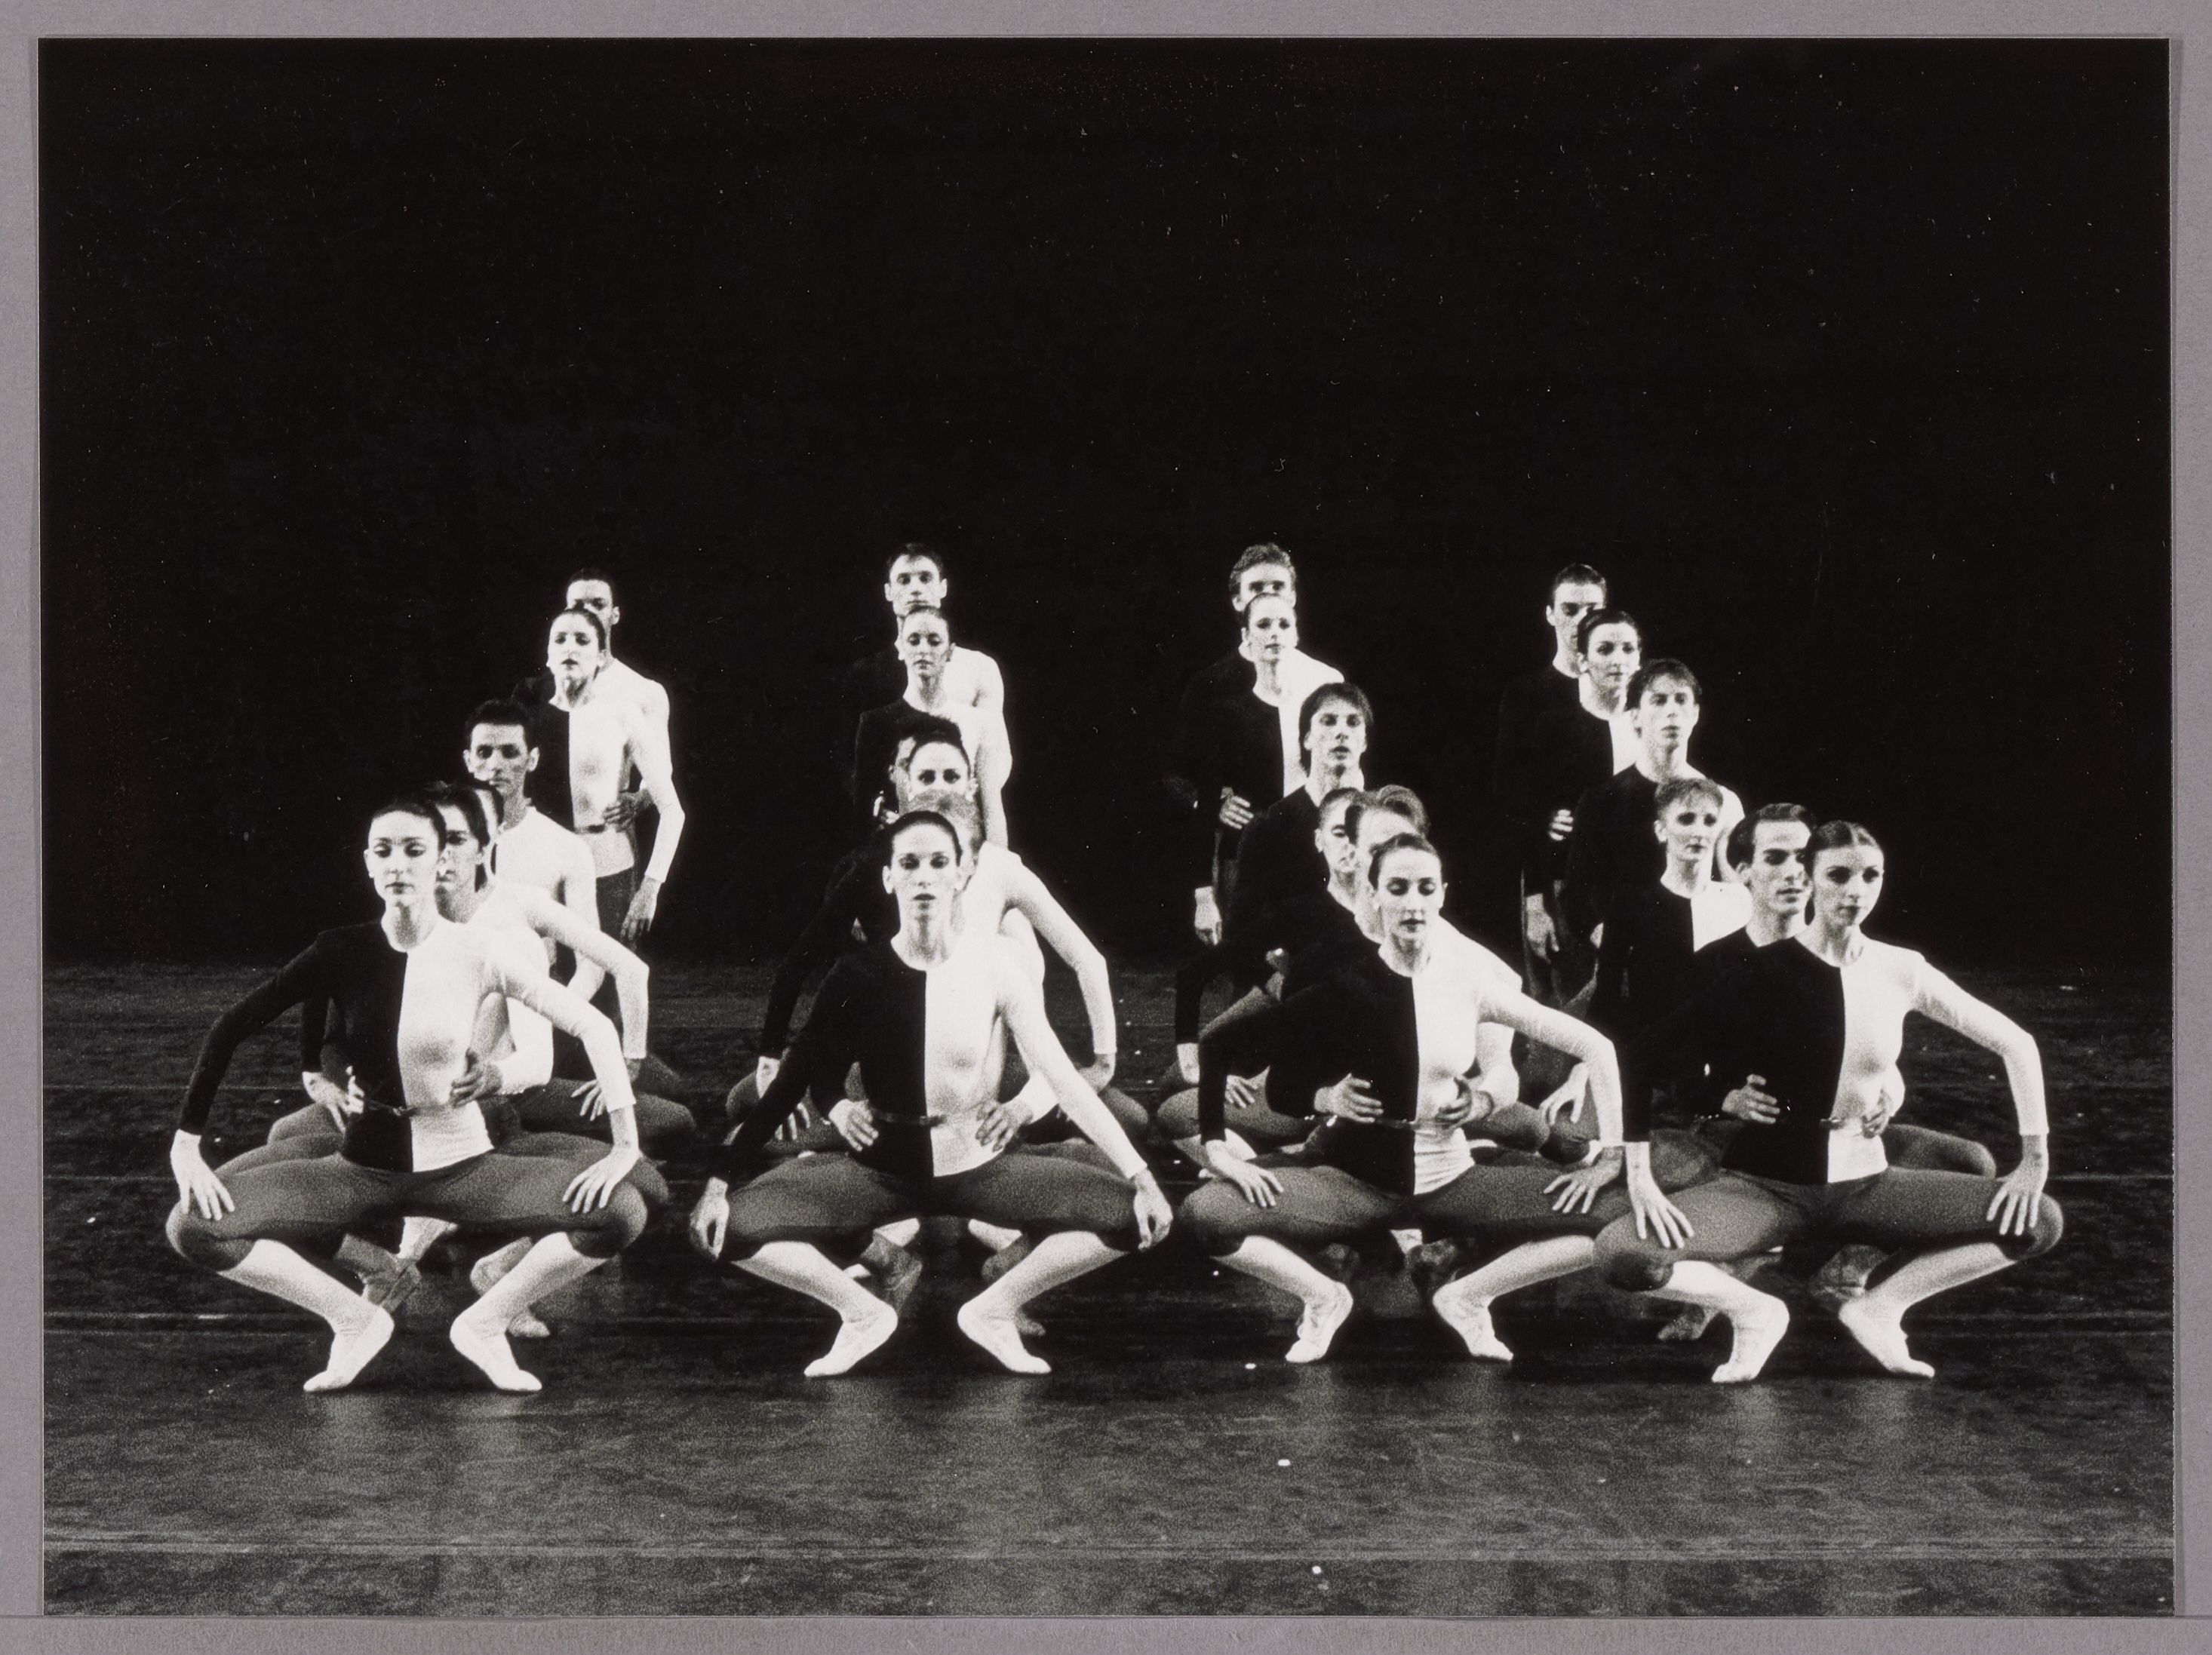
(1848, 363)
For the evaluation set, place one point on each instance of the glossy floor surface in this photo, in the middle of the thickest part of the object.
(677, 1463)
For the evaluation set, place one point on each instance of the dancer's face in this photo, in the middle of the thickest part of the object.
(1666, 715)
(1265, 580)
(1337, 737)
(1271, 629)
(913, 582)
(1690, 828)
(500, 757)
(1776, 876)
(459, 856)
(934, 766)
(924, 644)
(598, 598)
(1408, 893)
(571, 649)
(1614, 653)
(402, 855)
(1846, 883)
(925, 872)
(1336, 846)
(1570, 603)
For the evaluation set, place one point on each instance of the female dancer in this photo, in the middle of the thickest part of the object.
(412, 987)
(920, 1014)
(1821, 1018)
(925, 644)
(589, 743)
(1382, 1051)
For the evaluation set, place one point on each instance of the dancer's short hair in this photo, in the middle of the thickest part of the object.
(462, 797)
(920, 551)
(500, 710)
(1253, 556)
(593, 572)
(1744, 835)
(1346, 794)
(1652, 671)
(1343, 690)
(1607, 616)
(1577, 574)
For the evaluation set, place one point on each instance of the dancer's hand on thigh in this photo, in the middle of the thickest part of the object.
(477, 1081)
(595, 1186)
(2014, 1205)
(855, 1121)
(1154, 1215)
(1577, 1192)
(1657, 1218)
(710, 1219)
(1256, 1184)
(196, 1181)
(1748, 1102)
(1242, 1092)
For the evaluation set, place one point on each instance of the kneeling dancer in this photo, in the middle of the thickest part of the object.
(919, 1012)
(411, 987)
(1819, 1018)
(1383, 1049)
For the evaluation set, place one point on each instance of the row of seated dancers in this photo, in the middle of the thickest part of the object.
(1377, 1080)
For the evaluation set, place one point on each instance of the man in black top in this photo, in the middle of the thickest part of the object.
(1611, 848)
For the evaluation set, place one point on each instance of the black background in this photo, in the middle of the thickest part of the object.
(1847, 362)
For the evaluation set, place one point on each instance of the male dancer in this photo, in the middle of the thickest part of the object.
(1613, 848)
(532, 849)
(1568, 751)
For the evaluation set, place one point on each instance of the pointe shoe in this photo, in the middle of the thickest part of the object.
(1844, 1278)
(486, 1347)
(353, 1350)
(1318, 1326)
(855, 1339)
(1000, 1333)
(1757, 1333)
(1882, 1337)
(1689, 1325)
(488, 1269)
(1469, 1318)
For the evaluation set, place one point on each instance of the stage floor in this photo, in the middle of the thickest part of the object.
(677, 1462)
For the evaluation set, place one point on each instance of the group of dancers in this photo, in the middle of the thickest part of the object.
(1711, 1038)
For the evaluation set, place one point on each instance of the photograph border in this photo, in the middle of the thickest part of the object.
(21, 1181)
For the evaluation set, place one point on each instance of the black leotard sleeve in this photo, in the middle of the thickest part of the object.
(308, 974)
(853, 886)
(827, 1046)
(1242, 1045)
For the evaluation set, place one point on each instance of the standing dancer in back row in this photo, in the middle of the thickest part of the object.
(932, 689)
(590, 739)
(412, 987)
(1519, 781)
(1820, 1019)
(1613, 848)
(592, 591)
(533, 849)
(915, 578)
(920, 1014)
(1232, 757)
